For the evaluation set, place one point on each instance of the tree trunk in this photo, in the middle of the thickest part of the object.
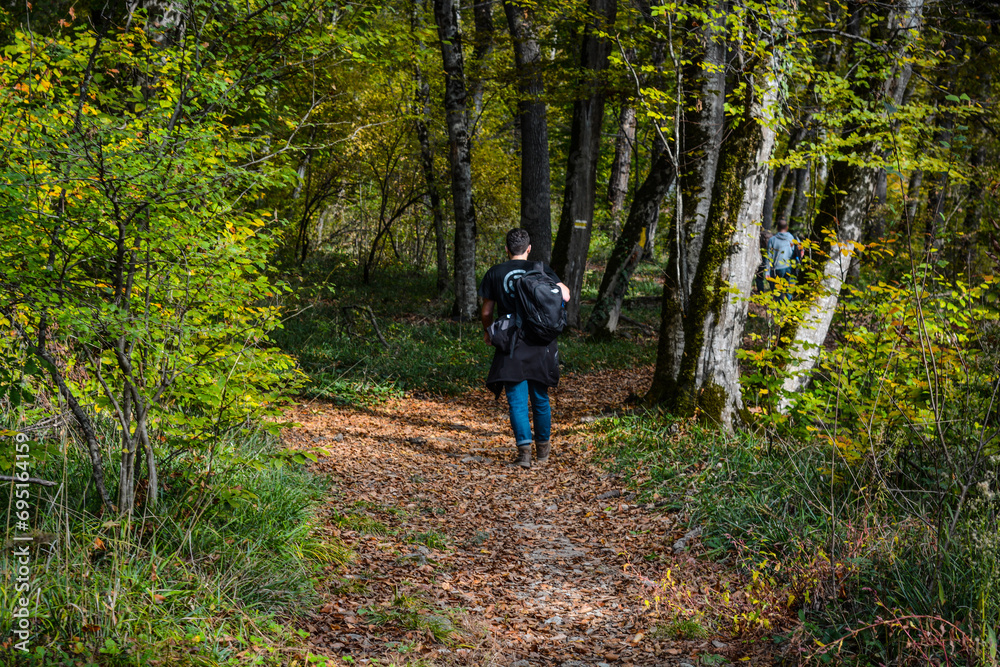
(446, 16)
(842, 210)
(630, 247)
(780, 178)
(787, 198)
(798, 221)
(876, 226)
(699, 147)
(433, 197)
(707, 377)
(913, 186)
(152, 494)
(569, 254)
(536, 188)
(126, 464)
(481, 50)
(839, 221)
(649, 249)
(618, 184)
(767, 214)
(82, 420)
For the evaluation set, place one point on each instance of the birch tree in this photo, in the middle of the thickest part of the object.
(850, 186)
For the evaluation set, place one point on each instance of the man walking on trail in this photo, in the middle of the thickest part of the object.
(781, 258)
(525, 371)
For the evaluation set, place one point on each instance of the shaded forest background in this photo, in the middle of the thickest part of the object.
(211, 207)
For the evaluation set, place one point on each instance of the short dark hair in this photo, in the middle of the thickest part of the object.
(517, 241)
(782, 225)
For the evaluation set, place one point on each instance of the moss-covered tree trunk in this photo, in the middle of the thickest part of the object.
(707, 377)
(630, 247)
(842, 210)
(702, 130)
(840, 219)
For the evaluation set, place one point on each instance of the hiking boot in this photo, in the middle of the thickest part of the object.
(542, 450)
(523, 456)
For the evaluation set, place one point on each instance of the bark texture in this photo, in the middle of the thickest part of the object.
(433, 197)
(699, 147)
(460, 157)
(630, 247)
(707, 375)
(797, 219)
(536, 187)
(767, 215)
(840, 219)
(842, 211)
(569, 253)
(621, 166)
(481, 50)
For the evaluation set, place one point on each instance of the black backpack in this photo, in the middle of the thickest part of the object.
(540, 310)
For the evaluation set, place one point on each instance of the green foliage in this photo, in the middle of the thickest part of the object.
(772, 506)
(681, 629)
(360, 523)
(895, 434)
(347, 363)
(412, 613)
(432, 539)
(135, 274)
(200, 583)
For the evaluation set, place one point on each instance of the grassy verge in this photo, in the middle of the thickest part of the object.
(211, 579)
(837, 570)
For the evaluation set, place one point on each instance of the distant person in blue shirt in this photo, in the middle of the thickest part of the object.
(782, 258)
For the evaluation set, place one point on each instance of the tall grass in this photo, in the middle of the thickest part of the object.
(848, 566)
(210, 578)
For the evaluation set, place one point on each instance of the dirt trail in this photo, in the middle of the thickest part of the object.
(547, 565)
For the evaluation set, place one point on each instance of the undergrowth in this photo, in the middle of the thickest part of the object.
(410, 612)
(827, 562)
(209, 579)
(361, 345)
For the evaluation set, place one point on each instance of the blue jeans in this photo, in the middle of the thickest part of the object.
(517, 398)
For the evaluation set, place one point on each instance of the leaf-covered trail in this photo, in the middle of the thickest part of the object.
(529, 567)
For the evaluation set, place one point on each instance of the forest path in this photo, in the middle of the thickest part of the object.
(528, 567)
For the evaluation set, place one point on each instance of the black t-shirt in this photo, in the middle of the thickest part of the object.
(498, 283)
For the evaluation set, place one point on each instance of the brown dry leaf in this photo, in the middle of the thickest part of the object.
(543, 571)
